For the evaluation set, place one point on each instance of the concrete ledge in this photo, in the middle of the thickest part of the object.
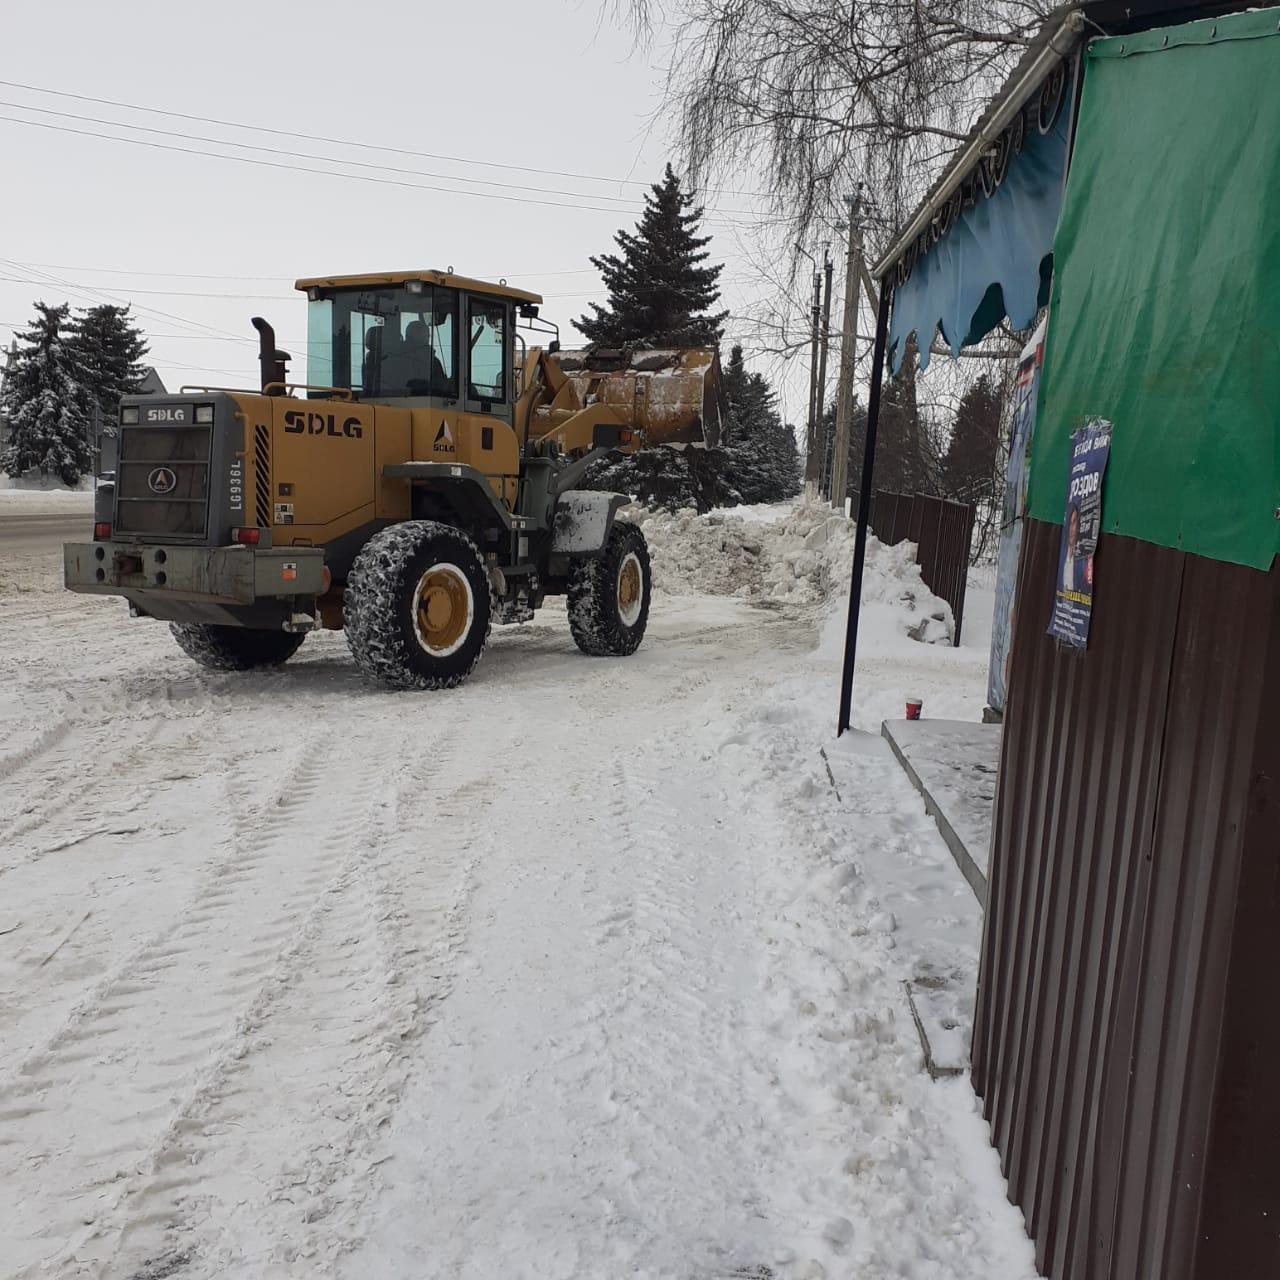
(952, 764)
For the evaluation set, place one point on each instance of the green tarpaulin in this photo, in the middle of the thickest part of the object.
(1165, 314)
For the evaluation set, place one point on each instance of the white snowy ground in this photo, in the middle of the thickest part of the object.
(581, 970)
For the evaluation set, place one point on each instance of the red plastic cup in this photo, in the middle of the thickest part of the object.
(914, 707)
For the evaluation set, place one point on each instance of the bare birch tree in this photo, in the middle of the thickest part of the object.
(811, 96)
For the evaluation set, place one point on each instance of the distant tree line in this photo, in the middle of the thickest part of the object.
(955, 447)
(65, 375)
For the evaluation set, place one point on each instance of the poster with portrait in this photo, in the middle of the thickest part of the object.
(1081, 525)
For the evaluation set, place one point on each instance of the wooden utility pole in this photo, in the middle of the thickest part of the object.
(848, 354)
(820, 435)
(812, 458)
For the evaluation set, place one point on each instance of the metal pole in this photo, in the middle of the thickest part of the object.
(812, 461)
(848, 356)
(864, 505)
(820, 435)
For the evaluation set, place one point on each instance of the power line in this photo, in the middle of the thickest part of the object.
(98, 295)
(345, 142)
(259, 297)
(170, 337)
(630, 204)
(193, 275)
(326, 173)
(184, 293)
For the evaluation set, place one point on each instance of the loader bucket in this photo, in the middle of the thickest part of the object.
(669, 396)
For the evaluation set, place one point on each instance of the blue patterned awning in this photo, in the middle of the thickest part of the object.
(994, 257)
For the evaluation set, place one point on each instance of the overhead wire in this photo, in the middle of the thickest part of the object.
(194, 275)
(342, 142)
(325, 173)
(99, 295)
(631, 203)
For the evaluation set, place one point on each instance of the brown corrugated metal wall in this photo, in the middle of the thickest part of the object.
(1120, 1027)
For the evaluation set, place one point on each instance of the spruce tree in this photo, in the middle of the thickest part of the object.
(44, 402)
(661, 292)
(764, 460)
(108, 350)
(970, 464)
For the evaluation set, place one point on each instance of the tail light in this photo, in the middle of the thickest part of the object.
(102, 531)
(246, 535)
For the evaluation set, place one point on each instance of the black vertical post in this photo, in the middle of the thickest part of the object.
(864, 503)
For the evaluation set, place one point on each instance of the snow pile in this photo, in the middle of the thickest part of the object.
(34, 487)
(803, 557)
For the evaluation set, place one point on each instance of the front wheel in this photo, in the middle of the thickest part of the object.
(234, 648)
(609, 595)
(416, 608)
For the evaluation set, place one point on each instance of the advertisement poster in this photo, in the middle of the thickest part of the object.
(1081, 524)
(1012, 515)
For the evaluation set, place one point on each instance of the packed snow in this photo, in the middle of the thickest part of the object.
(588, 968)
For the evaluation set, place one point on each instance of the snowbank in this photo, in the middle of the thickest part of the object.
(35, 495)
(803, 557)
(34, 483)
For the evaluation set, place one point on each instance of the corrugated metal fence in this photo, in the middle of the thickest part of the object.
(1126, 1042)
(942, 532)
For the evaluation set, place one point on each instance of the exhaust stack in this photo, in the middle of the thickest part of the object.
(272, 362)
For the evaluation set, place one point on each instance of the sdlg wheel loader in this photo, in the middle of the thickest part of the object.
(418, 488)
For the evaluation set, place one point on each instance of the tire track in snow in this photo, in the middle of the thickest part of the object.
(127, 764)
(101, 747)
(374, 961)
(122, 893)
(32, 753)
(81, 1116)
(679, 933)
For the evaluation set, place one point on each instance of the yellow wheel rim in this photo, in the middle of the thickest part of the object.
(630, 589)
(443, 609)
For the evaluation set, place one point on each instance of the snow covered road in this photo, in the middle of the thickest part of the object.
(581, 969)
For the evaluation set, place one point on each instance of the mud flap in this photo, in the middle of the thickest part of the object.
(582, 521)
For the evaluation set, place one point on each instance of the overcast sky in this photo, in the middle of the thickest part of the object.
(209, 242)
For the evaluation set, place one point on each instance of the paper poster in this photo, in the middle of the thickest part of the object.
(1081, 524)
(1013, 514)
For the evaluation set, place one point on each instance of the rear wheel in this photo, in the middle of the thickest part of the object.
(234, 648)
(609, 595)
(416, 608)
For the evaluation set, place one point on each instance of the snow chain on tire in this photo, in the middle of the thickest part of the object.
(234, 648)
(400, 577)
(608, 611)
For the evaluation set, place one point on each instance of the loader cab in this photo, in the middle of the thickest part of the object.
(421, 339)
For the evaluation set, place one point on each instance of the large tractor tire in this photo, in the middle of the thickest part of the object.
(234, 648)
(417, 608)
(609, 595)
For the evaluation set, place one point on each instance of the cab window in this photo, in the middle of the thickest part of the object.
(488, 350)
(385, 343)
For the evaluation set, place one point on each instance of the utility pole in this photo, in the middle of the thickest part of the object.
(812, 459)
(818, 432)
(848, 354)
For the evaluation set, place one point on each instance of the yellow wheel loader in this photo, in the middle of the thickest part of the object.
(418, 488)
